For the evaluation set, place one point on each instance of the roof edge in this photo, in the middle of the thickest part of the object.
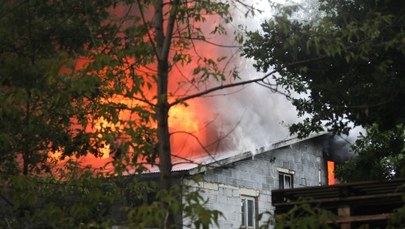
(248, 154)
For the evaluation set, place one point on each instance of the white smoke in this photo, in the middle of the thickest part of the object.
(253, 116)
(249, 117)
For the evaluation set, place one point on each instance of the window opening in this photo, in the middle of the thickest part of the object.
(248, 210)
(285, 180)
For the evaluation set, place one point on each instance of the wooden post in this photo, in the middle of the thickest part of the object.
(344, 212)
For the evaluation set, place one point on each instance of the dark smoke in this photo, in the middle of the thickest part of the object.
(337, 148)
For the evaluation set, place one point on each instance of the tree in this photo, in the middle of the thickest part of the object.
(43, 108)
(159, 37)
(83, 201)
(346, 63)
(79, 75)
(380, 155)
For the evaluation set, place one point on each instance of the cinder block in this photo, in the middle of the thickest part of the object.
(211, 186)
(230, 181)
(228, 192)
(266, 187)
(249, 192)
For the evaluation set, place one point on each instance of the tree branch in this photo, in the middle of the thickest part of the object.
(260, 81)
(270, 86)
(147, 28)
(205, 149)
(169, 30)
(177, 101)
(209, 42)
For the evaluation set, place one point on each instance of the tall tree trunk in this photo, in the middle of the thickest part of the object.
(165, 162)
(163, 42)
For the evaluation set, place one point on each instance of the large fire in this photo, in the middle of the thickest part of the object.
(189, 122)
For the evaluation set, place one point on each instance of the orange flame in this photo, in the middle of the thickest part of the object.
(331, 172)
(187, 122)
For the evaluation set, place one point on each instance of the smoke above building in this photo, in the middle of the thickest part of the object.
(236, 119)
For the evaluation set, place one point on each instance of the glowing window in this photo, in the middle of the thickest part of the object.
(331, 172)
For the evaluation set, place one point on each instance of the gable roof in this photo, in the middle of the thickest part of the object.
(229, 159)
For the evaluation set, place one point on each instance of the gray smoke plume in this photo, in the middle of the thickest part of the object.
(252, 116)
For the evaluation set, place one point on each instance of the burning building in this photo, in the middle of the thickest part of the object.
(240, 184)
(125, 72)
(218, 139)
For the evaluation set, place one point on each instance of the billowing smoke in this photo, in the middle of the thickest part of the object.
(251, 116)
(236, 119)
(337, 148)
(254, 117)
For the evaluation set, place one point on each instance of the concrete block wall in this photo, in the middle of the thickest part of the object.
(258, 175)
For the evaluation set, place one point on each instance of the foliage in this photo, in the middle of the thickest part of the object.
(80, 76)
(187, 205)
(348, 63)
(84, 199)
(53, 202)
(196, 213)
(44, 110)
(154, 43)
(306, 215)
(303, 215)
(379, 155)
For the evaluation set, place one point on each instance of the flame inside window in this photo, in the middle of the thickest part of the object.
(331, 172)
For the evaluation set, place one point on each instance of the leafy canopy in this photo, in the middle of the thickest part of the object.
(43, 108)
(379, 155)
(348, 63)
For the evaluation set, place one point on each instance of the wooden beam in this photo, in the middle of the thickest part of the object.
(363, 218)
(397, 196)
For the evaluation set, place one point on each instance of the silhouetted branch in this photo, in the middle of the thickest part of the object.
(241, 83)
(150, 37)
(209, 42)
(169, 31)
